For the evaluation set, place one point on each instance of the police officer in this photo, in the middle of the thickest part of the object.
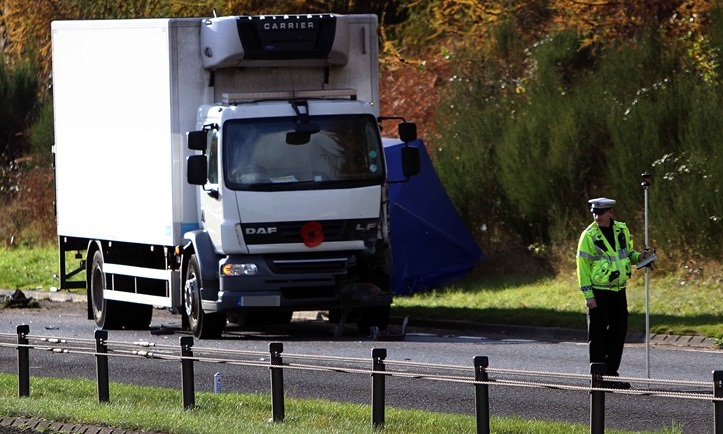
(604, 257)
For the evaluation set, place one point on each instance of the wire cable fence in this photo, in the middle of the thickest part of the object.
(479, 375)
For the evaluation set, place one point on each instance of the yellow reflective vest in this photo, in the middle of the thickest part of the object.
(602, 266)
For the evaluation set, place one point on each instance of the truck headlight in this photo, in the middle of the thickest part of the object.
(239, 269)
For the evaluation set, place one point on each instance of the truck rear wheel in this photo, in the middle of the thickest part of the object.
(203, 325)
(107, 313)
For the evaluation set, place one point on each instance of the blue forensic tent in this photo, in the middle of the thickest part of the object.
(431, 245)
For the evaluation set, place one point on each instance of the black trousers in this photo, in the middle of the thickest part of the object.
(607, 327)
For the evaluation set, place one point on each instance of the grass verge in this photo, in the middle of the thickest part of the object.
(28, 268)
(32, 267)
(159, 410)
(678, 305)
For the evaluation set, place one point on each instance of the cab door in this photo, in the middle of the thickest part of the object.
(211, 199)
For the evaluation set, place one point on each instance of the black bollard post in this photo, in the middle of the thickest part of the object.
(482, 395)
(101, 365)
(189, 400)
(718, 405)
(277, 381)
(597, 399)
(378, 383)
(23, 360)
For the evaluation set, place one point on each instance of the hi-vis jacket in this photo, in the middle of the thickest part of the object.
(602, 266)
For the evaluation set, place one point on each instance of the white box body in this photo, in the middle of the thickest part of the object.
(125, 93)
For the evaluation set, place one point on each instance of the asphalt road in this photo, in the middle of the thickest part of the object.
(420, 346)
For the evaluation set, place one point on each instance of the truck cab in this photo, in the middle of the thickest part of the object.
(294, 203)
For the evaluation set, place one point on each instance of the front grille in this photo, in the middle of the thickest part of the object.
(333, 264)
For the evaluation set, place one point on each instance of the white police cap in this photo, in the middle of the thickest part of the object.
(600, 204)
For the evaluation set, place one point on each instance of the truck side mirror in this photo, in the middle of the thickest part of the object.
(410, 161)
(407, 131)
(197, 140)
(197, 169)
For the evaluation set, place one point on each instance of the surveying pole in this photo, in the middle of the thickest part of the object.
(645, 184)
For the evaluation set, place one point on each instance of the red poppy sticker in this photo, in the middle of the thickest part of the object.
(312, 234)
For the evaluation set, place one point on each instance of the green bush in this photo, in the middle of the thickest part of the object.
(670, 128)
(18, 94)
(18, 100)
(41, 136)
(688, 178)
(471, 119)
(546, 146)
(526, 151)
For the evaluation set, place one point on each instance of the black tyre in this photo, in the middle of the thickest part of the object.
(203, 325)
(107, 313)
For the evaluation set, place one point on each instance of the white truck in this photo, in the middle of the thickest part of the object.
(227, 168)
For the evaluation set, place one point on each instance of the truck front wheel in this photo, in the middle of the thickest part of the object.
(203, 325)
(106, 312)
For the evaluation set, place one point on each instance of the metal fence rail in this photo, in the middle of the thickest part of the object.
(479, 374)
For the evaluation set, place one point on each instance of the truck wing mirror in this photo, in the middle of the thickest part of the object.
(197, 169)
(197, 140)
(407, 131)
(410, 161)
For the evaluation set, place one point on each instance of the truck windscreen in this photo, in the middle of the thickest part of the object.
(266, 153)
